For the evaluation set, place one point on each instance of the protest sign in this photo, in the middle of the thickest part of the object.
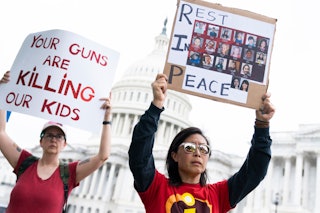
(220, 53)
(59, 75)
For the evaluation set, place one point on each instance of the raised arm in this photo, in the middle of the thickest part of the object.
(141, 160)
(9, 149)
(159, 89)
(88, 166)
(255, 167)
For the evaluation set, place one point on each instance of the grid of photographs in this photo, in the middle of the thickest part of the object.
(240, 54)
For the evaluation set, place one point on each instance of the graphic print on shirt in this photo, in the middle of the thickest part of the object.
(186, 203)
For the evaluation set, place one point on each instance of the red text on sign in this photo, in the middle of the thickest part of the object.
(64, 86)
(56, 61)
(46, 43)
(76, 49)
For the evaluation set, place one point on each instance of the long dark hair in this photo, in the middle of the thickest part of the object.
(172, 166)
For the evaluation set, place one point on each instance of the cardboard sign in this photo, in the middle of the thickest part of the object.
(220, 53)
(60, 76)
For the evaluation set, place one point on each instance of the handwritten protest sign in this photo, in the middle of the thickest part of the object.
(220, 53)
(60, 76)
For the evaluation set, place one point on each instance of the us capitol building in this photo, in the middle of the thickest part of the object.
(292, 184)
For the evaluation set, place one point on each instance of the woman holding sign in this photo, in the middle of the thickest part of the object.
(43, 186)
(186, 187)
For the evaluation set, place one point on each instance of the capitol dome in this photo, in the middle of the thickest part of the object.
(132, 95)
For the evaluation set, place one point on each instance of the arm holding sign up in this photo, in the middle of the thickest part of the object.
(255, 167)
(9, 149)
(88, 166)
(187, 159)
(53, 139)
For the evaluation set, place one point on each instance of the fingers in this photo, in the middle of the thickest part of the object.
(160, 82)
(106, 104)
(266, 110)
(159, 88)
(6, 77)
(161, 75)
(265, 99)
(266, 95)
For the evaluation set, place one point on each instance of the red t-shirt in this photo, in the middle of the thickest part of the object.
(162, 197)
(32, 194)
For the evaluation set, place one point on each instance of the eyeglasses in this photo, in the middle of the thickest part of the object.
(190, 147)
(51, 136)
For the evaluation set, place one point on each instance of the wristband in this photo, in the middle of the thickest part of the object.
(106, 122)
(261, 124)
(262, 121)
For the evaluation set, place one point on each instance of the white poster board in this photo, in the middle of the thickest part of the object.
(60, 76)
(214, 50)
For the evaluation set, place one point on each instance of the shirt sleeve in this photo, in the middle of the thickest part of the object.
(254, 168)
(72, 176)
(24, 154)
(141, 161)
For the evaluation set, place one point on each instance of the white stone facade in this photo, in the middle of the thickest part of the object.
(292, 179)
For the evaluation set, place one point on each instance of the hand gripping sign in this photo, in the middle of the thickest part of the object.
(59, 75)
(220, 53)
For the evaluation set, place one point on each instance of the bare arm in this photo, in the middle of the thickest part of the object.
(9, 149)
(88, 166)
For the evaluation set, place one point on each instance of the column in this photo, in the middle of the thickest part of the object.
(305, 182)
(122, 181)
(268, 186)
(101, 181)
(109, 187)
(160, 132)
(125, 127)
(116, 124)
(135, 120)
(317, 198)
(92, 186)
(298, 179)
(166, 137)
(120, 121)
(286, 186)
(171, 132)
(84, 190)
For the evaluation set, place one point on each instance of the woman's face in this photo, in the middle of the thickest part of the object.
(191, 164)
(246, 69)
(53, 140)
(236, 51)
(210, 45)
(244, 86)
(197, 42)
(224, 48)
(236, 82)
(263, 44)
(232, 65)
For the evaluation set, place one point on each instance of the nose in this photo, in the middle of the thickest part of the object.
(197, 152)
(54, 138)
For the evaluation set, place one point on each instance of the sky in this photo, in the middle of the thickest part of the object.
(130, 28)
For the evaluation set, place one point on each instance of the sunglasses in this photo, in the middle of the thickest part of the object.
(190, 147)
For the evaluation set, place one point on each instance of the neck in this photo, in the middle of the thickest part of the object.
(48, 161)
